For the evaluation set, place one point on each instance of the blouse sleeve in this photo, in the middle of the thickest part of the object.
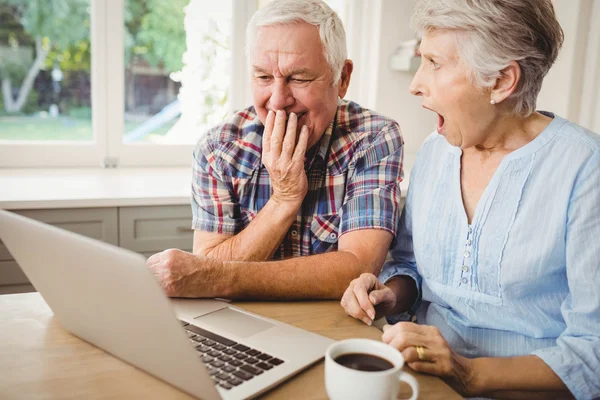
(576, 356)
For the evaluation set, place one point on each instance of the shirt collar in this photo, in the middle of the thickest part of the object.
(318, 152)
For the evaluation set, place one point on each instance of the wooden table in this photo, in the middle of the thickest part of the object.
(40, 360)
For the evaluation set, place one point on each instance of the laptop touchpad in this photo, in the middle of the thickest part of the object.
(234, 321)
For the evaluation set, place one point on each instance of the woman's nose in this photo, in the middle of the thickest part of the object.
(416, 85)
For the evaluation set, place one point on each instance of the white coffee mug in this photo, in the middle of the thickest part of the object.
(343, 383)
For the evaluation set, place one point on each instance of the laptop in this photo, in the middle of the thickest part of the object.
(108, 297)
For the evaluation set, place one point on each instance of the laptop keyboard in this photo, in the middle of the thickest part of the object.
(229, 363)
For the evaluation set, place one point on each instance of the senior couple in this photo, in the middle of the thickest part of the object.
(496, 254)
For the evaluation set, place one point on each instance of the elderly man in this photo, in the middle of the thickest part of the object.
(298, 195)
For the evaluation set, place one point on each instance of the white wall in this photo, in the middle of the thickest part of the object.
(589, 115)
(561, 92)
(563, 88)
(393, 98)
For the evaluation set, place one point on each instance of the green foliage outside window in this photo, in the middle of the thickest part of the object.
(35, 35)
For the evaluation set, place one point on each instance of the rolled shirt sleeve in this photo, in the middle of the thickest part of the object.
(576, 356)
(373, 187)
(215, 207)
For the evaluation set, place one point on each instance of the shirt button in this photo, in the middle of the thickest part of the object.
(470, 230)
(465, 268)
(469, 242)
(464, 280)
(333, 235)
(467, 254)
(294, 233)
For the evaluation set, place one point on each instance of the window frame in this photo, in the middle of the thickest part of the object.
(106, 149)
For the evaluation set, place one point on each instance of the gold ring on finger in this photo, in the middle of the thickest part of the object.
(420, 353)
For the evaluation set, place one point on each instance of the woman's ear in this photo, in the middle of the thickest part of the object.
(507, 82)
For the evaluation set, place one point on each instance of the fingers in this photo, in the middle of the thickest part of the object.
(410, 354)
(356, 300)
(390, 331)
(277, 134)
(380, 296)
(407, 336)
(405, 340)
(289, 141)
(266, 139)
(161, 263)
(154, 259)
(434, 359)
(425, 367)
(424, 349)
(361, 290)
(300, 151)
(352, 307)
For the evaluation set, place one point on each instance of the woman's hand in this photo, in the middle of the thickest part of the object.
(367, 299)
(425, 350)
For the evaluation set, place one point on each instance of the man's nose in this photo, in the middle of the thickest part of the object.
(281, 97)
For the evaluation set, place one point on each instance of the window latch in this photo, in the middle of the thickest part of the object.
(111, 162)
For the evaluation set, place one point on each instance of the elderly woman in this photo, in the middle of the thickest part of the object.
(498, 249)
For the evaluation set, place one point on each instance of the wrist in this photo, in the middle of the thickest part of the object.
(216, 275)
(473, 380)
(405, 290)
(289, 207)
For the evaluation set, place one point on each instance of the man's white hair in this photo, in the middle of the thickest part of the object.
(314, 12)
(493, 33)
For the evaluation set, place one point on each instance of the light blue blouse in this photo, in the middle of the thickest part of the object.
(524, 276)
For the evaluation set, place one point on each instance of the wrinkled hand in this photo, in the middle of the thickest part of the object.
(284, 158)
(367, 299)
(183, 274)
(437, 357)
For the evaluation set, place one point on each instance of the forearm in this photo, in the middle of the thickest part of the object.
(323, 276)
(524, 377)
(405, 289)
(259, 240)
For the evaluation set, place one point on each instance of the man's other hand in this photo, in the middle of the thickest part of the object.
(183, 274)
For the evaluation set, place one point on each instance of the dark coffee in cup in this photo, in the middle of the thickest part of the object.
(364, 362)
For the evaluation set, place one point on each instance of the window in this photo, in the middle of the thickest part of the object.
(169, 47)
(125, 82)
(45, 72)
(178, 75)
(120, 83)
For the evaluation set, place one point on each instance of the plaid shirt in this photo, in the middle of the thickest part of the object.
(353, 173)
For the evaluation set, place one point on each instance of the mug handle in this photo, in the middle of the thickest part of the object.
(412, 382)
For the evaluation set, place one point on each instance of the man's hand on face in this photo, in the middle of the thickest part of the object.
(183, 274)
(283, 157)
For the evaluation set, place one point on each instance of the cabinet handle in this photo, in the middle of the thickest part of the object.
(184, 229)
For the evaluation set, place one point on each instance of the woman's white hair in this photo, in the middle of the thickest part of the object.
(493, 33)
(314, 12)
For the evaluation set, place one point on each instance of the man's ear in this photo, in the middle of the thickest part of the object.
(345, 78)
(507, 82)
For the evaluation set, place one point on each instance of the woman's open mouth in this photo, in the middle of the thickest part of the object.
(441, 120)
(440, 125)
